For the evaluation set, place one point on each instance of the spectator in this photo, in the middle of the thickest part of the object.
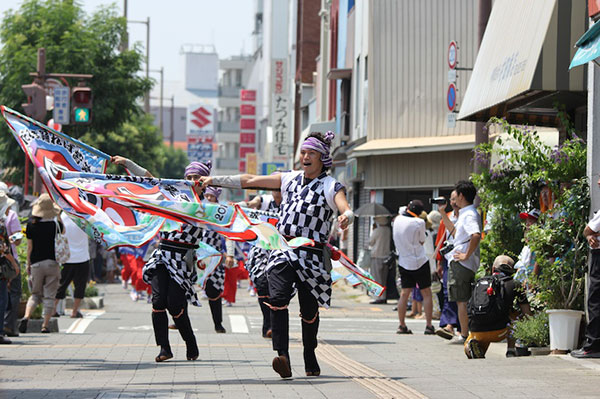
(591, 347)
(379, 242)
(77, 267)
(496, 329)
(409, 236)
(13, 228)
(449, 316)
(464, 255)
(41, 259)
(6, 254)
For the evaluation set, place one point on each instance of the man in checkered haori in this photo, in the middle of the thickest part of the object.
(309, 200)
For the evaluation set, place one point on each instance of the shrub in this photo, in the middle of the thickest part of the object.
(532, 331)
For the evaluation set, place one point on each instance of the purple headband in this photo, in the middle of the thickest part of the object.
(198, 168)
(214, 191)
(313, 143)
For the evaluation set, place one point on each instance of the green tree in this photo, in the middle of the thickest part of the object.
(79, 43)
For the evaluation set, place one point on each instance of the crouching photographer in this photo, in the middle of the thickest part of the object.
(491, 309)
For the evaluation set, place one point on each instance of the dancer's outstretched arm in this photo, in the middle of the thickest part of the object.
(272, 182)
(131, 166)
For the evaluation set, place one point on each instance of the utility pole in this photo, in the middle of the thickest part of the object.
(125, 38)
(147, 95)
(161, 71)
(481, 135)
(172, 133)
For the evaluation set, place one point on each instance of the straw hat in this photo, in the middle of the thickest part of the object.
(45, 208)
(5, 203)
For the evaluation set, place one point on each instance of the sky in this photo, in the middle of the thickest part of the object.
(226, 24)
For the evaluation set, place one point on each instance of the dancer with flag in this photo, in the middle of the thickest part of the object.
(258, 259)
(171, 271)
(309, 199)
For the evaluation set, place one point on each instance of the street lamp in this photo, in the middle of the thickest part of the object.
(147, 95)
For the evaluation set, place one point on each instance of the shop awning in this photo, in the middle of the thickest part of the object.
(588, 47)
(411, 145)
(521, 69)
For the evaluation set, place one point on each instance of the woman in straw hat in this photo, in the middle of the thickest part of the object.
(42, 266)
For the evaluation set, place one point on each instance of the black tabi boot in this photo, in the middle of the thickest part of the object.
(216, 310)
(266, 313)
(281, 339)
(161, 335)
(309, 341)
(187, 333)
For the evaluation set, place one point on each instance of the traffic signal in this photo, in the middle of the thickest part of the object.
(36, 101)
(81, 105)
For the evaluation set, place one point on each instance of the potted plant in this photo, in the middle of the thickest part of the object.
(533, 332)
(562, 254)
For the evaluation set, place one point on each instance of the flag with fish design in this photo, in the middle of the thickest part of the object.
(100, 217)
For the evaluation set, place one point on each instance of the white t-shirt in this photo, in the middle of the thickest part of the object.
(594, 224)
(409, 236)
(468, 223)
(78, 241)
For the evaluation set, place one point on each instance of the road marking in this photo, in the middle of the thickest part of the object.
(238, 324)
(79, 326)
(376, 382)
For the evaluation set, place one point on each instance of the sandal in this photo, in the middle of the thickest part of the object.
(45, 330)
(403, 330)
(165, 354)
(429, 330)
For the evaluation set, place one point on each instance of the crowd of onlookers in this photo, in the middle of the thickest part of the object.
(440, 250)
(47, 279)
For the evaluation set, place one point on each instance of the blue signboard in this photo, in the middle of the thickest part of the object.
(270, 167)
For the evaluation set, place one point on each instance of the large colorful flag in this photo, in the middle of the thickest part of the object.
(101, 217)
(129, 210)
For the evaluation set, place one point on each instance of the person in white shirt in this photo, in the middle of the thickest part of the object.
(591, 346)
(77, 268)
(379, 241)
(409, 235)
(464, 256)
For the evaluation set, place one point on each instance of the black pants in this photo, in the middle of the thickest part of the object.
(281, 280)
(168, 295)
(592, 332)
(262, 290)
(78, 274)
(215, 303)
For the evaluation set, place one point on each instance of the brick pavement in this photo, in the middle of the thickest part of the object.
(360, 355)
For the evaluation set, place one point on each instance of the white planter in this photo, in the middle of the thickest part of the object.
(564, 328)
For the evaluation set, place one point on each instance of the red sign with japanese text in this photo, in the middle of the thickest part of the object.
(247, 109)
(247, 138)
(245, 150)
(248, 95)
(247, 124)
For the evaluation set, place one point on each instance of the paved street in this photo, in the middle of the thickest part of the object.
(109, 354)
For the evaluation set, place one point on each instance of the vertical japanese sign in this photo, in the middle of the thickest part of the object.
(62, 109)
(247, 129)
(280, 110)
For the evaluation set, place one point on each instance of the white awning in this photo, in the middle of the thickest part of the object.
(411, 145)
(509, 53)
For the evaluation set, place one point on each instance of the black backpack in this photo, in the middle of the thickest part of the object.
(487, 304)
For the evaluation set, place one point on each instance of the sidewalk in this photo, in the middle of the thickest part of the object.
(360, 357)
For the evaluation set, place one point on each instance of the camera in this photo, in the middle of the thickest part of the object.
(447, 248)
(437, 200)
